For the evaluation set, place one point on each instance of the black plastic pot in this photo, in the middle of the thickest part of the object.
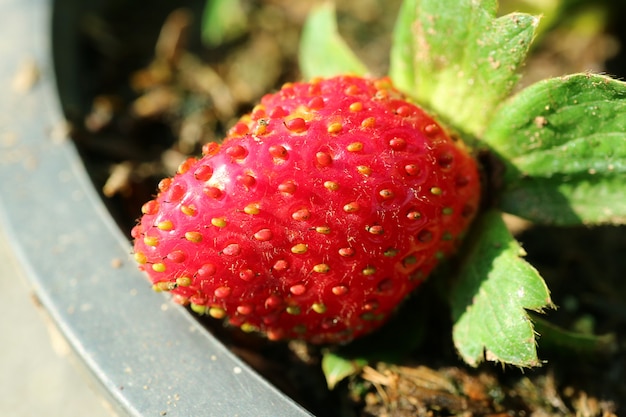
(150, 356)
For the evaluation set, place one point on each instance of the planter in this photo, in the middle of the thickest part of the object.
(151, 357)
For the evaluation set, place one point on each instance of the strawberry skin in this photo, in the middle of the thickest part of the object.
(318, 214)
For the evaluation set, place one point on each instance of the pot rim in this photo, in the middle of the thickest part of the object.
(150, 356)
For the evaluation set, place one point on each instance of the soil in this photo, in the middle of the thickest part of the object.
(150, 93)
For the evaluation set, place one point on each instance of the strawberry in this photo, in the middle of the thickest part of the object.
(317, 215)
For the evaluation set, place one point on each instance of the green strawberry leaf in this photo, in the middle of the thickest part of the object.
(401, 69)
(457, 58)
(323, 52)
(336, 368)
(496, 286)
(563, 141)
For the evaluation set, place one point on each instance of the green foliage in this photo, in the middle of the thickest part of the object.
(496, 286)
(222, 21)
(323, 52)
(563, 142)
(336, 368)
(457, 58)
(573, 343)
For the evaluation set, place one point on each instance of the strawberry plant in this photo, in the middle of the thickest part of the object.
(558, 145)
(301, 223)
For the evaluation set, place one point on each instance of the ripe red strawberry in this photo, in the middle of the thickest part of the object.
(318, 214)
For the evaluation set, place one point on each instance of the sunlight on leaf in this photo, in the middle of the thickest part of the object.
(401, 69)
(323, 52)
(457, 58)
(496, 286)
(564, 143)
